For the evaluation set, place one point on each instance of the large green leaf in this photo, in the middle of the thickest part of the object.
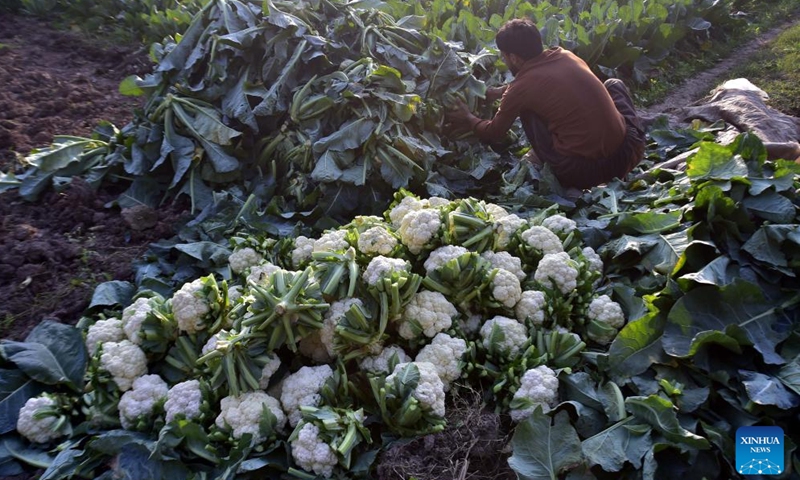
(637, 346)
(649, 222)
(15, 389)
(767, 390)
(53, 354)
(616, 445)
(543, 451)
(715, 162)
(766, 245)
(789, 374)
(771, 206)
(730, 315)
(61, 153)
(26, 452)
(660, 414)
(116, 293)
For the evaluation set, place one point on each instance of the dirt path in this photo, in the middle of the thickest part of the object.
(701, 84)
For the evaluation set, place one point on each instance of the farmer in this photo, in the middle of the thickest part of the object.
(587, 131)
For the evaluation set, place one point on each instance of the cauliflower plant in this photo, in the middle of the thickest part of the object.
(504, 336)
(605, 319)
(506, 261)
(406, 206)
(133, 317)
(381, 266)
(103, 331)
(419, 228)
(333, 241)
(557, 271)
(139, 403)
(430, 389)
(428, 313)
(336, 312)
(303, 248)
(505, 228)
(243, 414)
(559, 224)
(539, 386)
(444, 353)
(125, 361)
(376, 241)
(185, 399)
(542, 239)
(312, 453)
(302, 389)
(39, 430)
(531, 307)
(380, 363)
(506, 288)
(189, 307)
(241, 260)
(442, 255)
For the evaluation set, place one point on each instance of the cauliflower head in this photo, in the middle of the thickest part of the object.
(312, 453)
(406, 206)
(269, 370)
(185, 399)
(559, 224)
(506, 261)
(133, 317)
(505, 228)
(104, 331)
(381, 266)
(506, 288)
(333, 241)
(513, 336)
(419, 228)
(38, 430)
(542, 239)
(140, 402)
(303, 248)
(539, 386)
(531, 307)
(241, 260)
(444, 353)
(495, 211)
(430, 389)
(242, 414)
(260, 274)
(189, 307)
(302, 389)
(125, 361)
(605, 318)
(333, 315)
(380, 363)
(428, 313)
(557, 271)
(442, 255)
(376, 241)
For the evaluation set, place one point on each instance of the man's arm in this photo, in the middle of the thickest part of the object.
(490, 131)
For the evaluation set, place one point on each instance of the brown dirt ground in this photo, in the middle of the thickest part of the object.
(54, 252)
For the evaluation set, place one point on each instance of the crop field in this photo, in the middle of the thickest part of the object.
(240, 239)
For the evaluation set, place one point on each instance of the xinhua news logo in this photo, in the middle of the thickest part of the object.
(759, 450)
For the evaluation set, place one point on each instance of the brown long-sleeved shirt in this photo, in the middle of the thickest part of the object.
(560, 88)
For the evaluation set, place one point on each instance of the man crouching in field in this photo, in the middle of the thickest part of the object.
(587, 131)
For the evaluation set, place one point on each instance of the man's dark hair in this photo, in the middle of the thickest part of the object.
(521, 37)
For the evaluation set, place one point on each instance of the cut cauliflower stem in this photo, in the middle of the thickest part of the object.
(125, 361)
(381, 266)
(428, 313)
(444, 353)
(376, 241)
(335, 313)
(260, 274)
(442, 255)
(531, 307)
(189, 307)
(138, 403)
(539, 386)
(542, 239)
(514, 336)
(37, 430)
(506, 288)
(559, 224)
(380, 363)
(606, 313)
(406, 205)
(133, 317)
(334, 241)
(185, 399)
(419, 228)
(311, 453)
(556, 271)
(103, 331)
(303, 248)
(241, 260)
(505, 228)
(430, 389)
(506, 261)
(242, 414)
(302, 389)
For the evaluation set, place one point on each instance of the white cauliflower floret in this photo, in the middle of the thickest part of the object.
(211, 343)
(103, 331)
(505, 228)
(333, 241)
(189, 307)
(133, 317)
(428, 312)
(311, 346)
(419, 228)
(234, 293)
(38, 430)
(302, 389)
(242, 414)
(444, 353)
(381, 266)
(506, 261)
(514, 336)
(334, 314)
(125, 361)
(269, 370)
(595, 263)
(241, 260)
(311, 453)
(406, 205)
(556, 271)
(183, 398)
(472, 324)
(376, 241)
(430, 389)
(542, 239)
(303, 248)
(539, 386)
(559, 224)
(506, 288)
(442, 255)
(606, 318)
(531, 307)
(436, 202)
(496, 212)
(260, 274)
(139, 402)
(380, 363)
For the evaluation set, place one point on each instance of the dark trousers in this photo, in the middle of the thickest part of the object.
(580, 172)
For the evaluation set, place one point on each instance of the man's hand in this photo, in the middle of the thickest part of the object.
(460, 116)
(495, 93)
